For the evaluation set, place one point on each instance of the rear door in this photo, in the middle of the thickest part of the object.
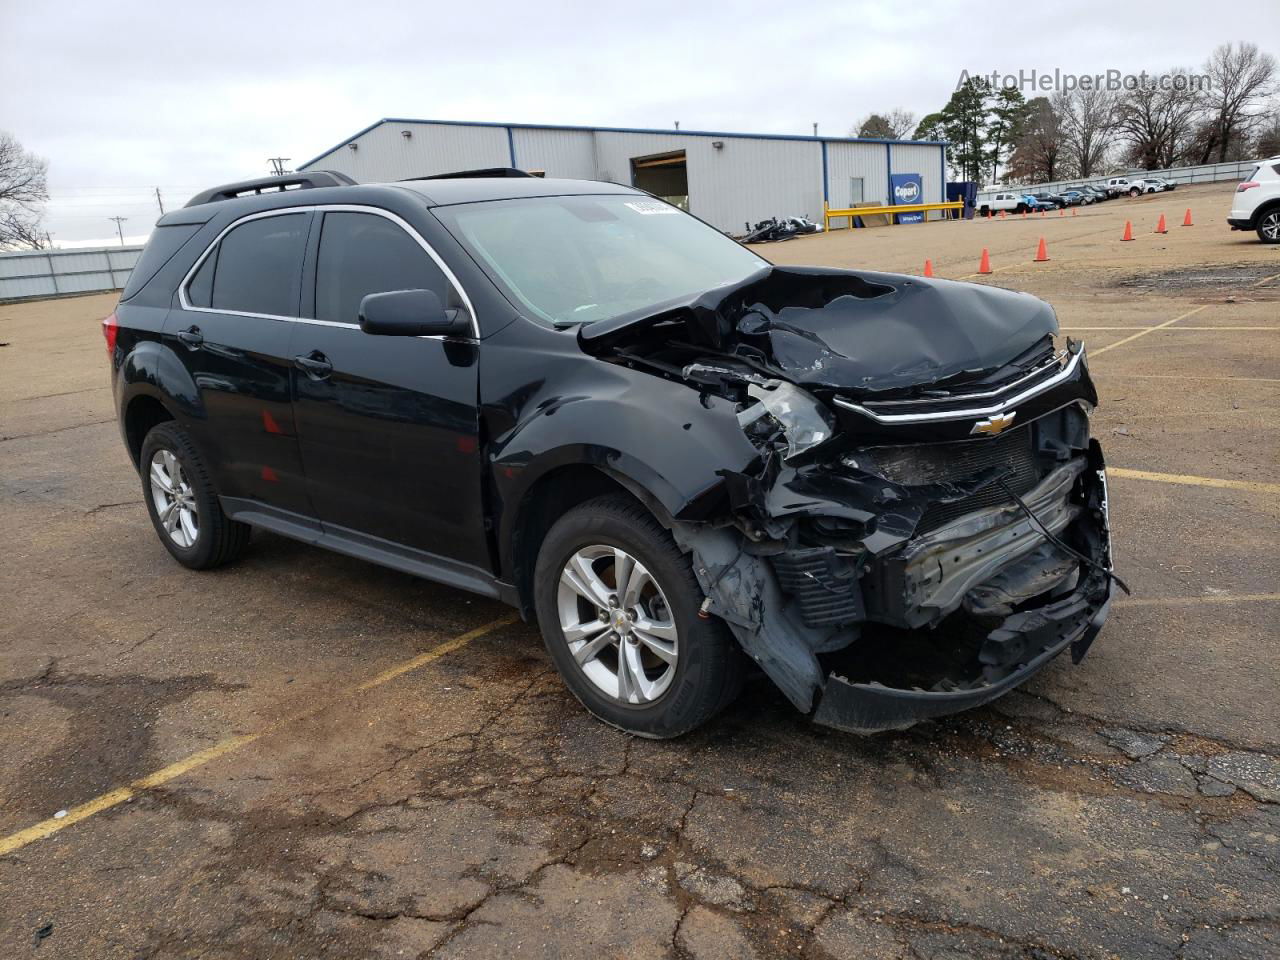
(388, 426)
(232, 331)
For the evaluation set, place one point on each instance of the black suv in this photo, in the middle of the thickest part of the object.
(576, 398)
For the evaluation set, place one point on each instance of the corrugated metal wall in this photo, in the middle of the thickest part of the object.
(51, 273)
(384, 153)
(745, 180)
(925, 160)
(866, 161)
(561, 153)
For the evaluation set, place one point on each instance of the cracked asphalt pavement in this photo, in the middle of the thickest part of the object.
(384, 802)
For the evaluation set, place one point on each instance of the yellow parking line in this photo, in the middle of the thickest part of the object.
(1181, 376)
(1265, 280)
(1219, 598)
(47, 828)
(1180, 478)
(1273, 329)
(1146, 330)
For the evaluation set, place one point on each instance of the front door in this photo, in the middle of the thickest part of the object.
(232, 331)
(388, 426)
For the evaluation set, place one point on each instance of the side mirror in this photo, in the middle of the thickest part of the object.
(409, 313)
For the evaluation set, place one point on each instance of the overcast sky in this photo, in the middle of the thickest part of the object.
(121, 97)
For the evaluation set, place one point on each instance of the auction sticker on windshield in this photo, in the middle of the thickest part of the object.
(648, 207)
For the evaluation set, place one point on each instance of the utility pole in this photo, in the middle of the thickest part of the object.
(677, 124)
(119, 229)
(277, 164)
(815, 129)
(160, 201)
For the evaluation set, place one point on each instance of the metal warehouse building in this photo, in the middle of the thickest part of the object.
(727, 179)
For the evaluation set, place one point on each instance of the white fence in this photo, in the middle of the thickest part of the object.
(55, 273)
(1206, 173)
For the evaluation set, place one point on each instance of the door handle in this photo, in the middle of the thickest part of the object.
(314, 364)
(191, 336)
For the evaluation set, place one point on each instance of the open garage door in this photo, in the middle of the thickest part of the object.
(664, 175)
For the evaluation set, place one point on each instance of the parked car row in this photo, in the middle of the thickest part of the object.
(1016, 201)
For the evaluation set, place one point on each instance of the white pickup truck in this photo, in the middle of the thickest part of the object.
(995, 202)
(1118, 186)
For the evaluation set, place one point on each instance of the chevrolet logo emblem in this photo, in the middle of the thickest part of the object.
(995, 425)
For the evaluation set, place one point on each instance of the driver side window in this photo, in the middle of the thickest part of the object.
(363, 253)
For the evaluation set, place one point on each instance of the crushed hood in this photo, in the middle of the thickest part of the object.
(859, 332)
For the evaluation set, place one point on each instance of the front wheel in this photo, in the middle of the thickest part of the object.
(183, 503)
(1134, 192)
(617, 604)
(1269, 227)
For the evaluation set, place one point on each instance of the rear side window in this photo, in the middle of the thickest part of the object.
(362, 253)
(163, 244)
(254, 268)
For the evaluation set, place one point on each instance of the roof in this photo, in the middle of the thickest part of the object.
(435, 193)
(683, 133)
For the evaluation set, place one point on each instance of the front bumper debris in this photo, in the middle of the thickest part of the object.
(1019, 648)
(1043, 633)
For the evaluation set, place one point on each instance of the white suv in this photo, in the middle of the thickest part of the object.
(1257, 202)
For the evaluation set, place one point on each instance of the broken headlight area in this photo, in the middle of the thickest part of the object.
(887, 584)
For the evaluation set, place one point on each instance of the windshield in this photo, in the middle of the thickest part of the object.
(576, 259)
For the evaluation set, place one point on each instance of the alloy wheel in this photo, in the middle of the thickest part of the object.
(1270, 225)
(618, 624)
(174, 499)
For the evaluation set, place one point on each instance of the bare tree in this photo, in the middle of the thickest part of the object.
(1239, 79)
(894, 125)
(23, 189)
(1086, 119)
(1268, 141)
(1038, 155)
(1158, 120)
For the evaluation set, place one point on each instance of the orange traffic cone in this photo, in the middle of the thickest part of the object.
(1186, 221)
(928, 268)
(1160, 227)
(1128, 231)
(1062, 212)
(1042, 254)
(1001, 214)
(984, 266)
(1042, 213)
(1073, 211)
(1024, 214)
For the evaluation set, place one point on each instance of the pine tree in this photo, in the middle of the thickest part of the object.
(1008, 115)
(964, 121)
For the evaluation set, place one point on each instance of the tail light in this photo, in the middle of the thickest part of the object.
(110, 327)
(1247, 185)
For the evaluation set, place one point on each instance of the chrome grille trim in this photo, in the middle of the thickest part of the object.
(968, 413)
(1055, 361)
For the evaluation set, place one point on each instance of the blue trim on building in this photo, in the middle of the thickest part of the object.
(511, 146)
(888, 173)
(826, 181)
(648, 130)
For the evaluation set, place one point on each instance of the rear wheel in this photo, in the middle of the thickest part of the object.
(1134, 192)
(1269, 226)
(183, 503)
(617, 603)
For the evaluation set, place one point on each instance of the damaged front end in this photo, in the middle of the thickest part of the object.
(925, 524)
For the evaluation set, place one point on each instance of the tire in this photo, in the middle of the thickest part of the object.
(202, 537)
(1269, 226)
(668, 699)
(1134, 192)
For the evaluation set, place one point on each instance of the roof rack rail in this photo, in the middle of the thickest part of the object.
(288, 181)
(467, 174)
